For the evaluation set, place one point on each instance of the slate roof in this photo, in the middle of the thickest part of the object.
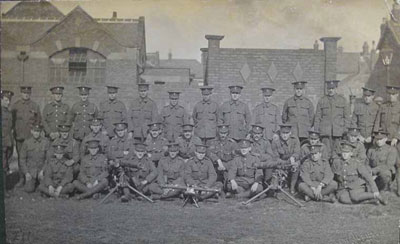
(33, 10)
(195, 66)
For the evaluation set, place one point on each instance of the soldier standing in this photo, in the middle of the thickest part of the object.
(6, 129)
(142, 111)
(55, 113)
(317, 177)
(244, 178)
(93, 172)
(235, 113)
(200, 172)
(364, 116)
(332, 117)
(173, 117)
(351, 176)
(299, 111)
(205, 115)
(33, 158)
(286, 151)
(389, 120)
(187, 142)
(58, 175)
(156, 144)
(81, 114)
(111, 111)
(268, 115)
(382, 160)
(25, 113)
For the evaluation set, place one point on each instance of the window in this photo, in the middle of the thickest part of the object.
(77, 65)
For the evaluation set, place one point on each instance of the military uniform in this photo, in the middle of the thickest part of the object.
(7, 131)
(26, 113)
(269, 116)
(156, 147)
(57, 174)
(200, 173)
(81, 115)
(33, 159)
(316, 173)
(120, 148)
(112, 111)
(173, 117)
(305, 152)
(299, 111)
(187, 147)
(205, 115)
(71, 150)
(103, 139)
(364, 115)
(332, 118)
(55, 113)
(142, 111)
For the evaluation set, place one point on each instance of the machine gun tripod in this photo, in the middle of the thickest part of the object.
(123, 183)
(191, 193)
(278, 180)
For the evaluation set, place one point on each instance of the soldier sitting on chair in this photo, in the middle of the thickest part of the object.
(382, 160)
(93, 172)
(33, 158)
(156, 143)
(244, 178)
(352, 176)
(187, 142)
(317, 177)
(200, 172)
(170, 172)
(58, 175)
(140, 172)
(95, 133)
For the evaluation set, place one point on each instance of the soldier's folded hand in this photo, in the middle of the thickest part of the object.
(51, 190)
(376, 194)
(221, 166)
(28, 176)
(318, 194)
(89, 185)
(69, 162)
(275, 137)
(394, 142)
(149, 155)
(144, 182)
(58, 190)
(95, 183)
(234, 185)
(54, 135)
(40, 176)
(254, 187)
(368, 139)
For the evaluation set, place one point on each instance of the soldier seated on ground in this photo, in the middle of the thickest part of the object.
(139, 172)
(96, 128)
(382, 160)
(244, 178)
(352, 176)
(33, 158)
(317, 177)
(200, 172)
(156, 143)
(170, 172)
(93, 172)
(58, 175)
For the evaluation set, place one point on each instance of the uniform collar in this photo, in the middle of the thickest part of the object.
(143, 100)
(234, 102)
(206, 102)
(85, 103)
(54, 103)
(298, 98)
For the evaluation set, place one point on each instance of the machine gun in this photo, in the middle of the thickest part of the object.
(119, 184)
(279, 178)
(191, 192)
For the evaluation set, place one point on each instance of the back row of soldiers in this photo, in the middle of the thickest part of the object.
(273, 139)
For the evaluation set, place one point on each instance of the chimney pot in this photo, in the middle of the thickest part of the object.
(114, 16)
(316, 45)
(214, 41)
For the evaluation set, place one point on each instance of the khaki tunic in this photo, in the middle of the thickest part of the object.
(312, 173)
(56, 173)
(187, 147)
(54, 114)
(120, 148)
(383, 158)
(389, 119)
(171, 171)
(284, 150)
(205, 115)
(173, 117)
(140, 169)
(93, 168)
(156, 147)
(71, 150)
(26, 113)
(237, 116)
(269, 116)
(6, 128)
(33, 155)
(141, 113)
(104, 142)
(112, 112)
(244, 171)
(364, 116)
(200, 172)
(222, 149)
(332, 117)
(299, 111)
(81, 116)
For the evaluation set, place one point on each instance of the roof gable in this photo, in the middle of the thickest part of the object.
(33, 10)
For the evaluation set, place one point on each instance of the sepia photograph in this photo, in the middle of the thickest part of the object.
(200, 121)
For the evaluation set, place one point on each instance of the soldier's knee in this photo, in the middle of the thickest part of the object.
(303, 187)
(30, 186)
(344, 197)
(333, 185)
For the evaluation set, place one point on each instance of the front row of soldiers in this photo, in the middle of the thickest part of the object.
(238, 169)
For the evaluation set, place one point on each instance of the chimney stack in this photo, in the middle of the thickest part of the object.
(170, 55)
(114, 16)
(211, 73)
(214, 41)
(330, 49)
(316, 45)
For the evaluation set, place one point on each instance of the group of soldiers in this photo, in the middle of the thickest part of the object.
(328, 154)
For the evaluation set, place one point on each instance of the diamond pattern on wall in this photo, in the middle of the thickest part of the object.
(298, 72)
(272, 72)
(245, 72)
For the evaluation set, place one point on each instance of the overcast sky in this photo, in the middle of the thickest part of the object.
(180, 25)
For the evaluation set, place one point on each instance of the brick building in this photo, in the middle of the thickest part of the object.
(255, 68)
(389, 50)
(43, 47)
